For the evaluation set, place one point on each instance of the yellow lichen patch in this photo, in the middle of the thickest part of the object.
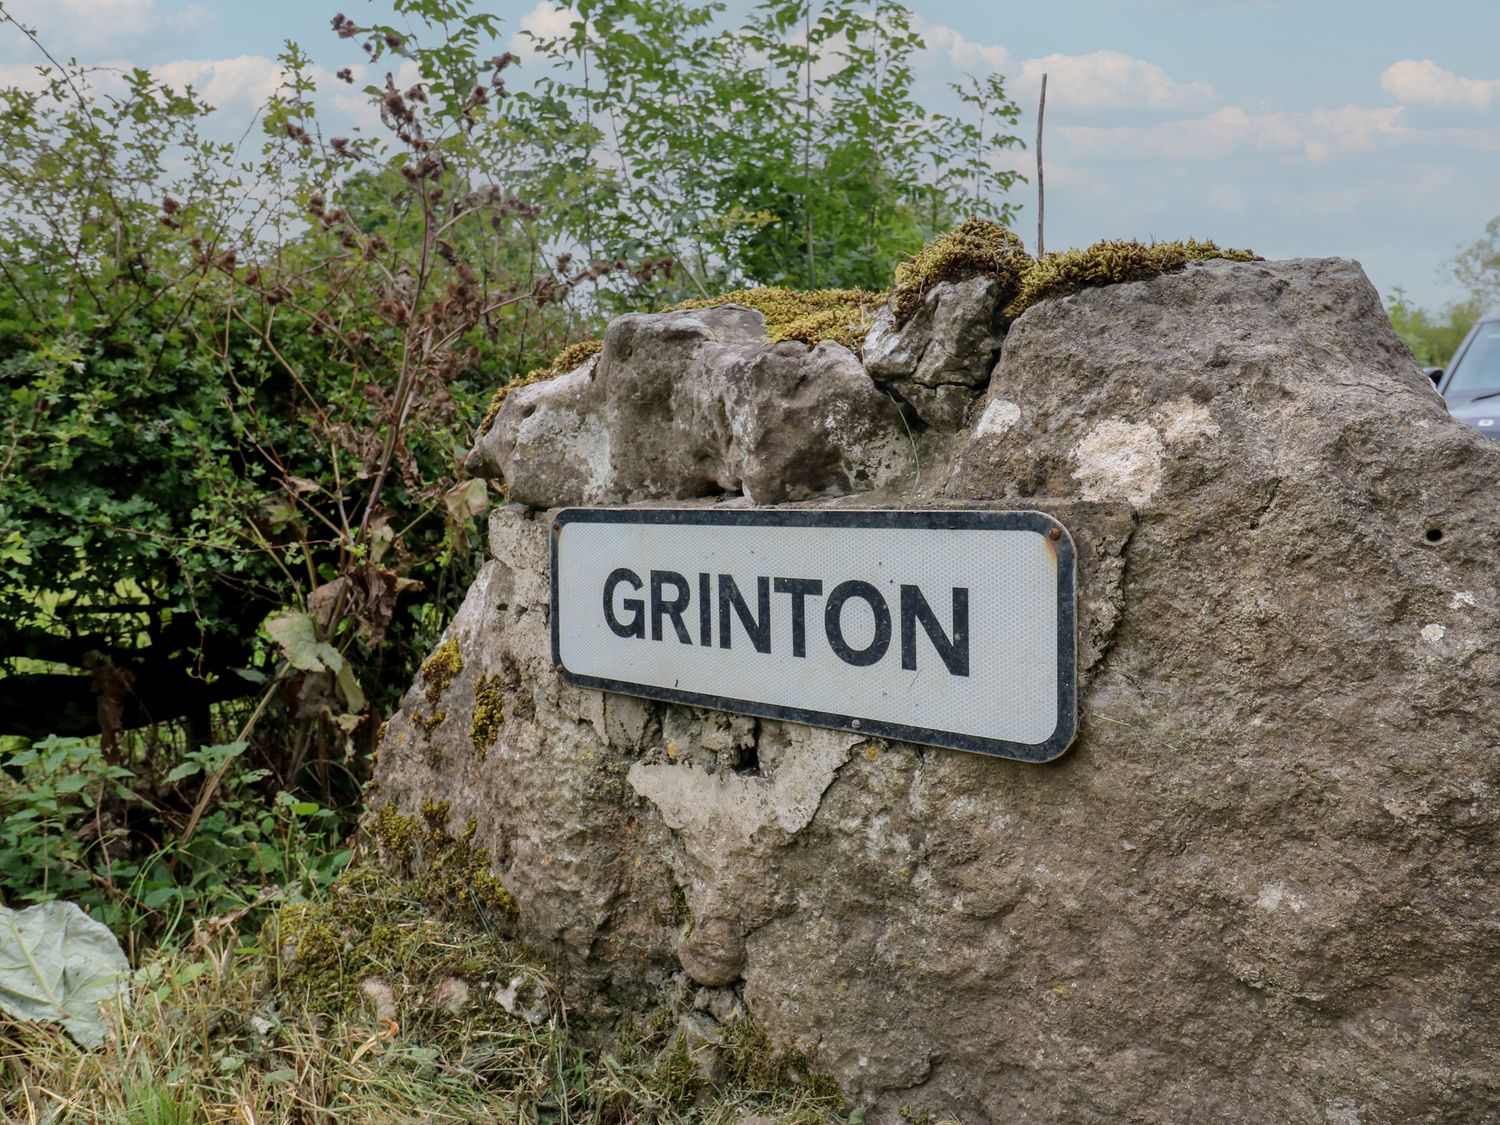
(807, 316)
(974, 247)
(489, 714)
(569, 359)
(1110, 263)
(440, 669)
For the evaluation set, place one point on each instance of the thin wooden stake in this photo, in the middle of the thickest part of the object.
(1041, 201)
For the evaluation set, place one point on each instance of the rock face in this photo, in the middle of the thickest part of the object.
(941, 359)
(689, 404)
(1262, 885)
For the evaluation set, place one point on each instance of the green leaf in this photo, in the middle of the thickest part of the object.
(58, 965)
(182, 770)
(297, 637)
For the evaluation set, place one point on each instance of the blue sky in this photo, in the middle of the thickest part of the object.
(1369, 129)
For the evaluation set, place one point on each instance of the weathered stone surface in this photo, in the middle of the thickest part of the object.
(713, 955)
(688, 404)
(940, 360)
(953, 338)
(1260, 887)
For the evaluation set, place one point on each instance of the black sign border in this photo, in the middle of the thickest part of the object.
(932, 519)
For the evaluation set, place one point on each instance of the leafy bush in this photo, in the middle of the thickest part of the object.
(1432, 339)
(80, 827)
(787, 151)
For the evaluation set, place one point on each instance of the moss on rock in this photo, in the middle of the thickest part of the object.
(440, 669)
(1110, 262)
(807, 316)
(569, 359)
(974, 247)
(489, 714)
(376, 927)
(453, 872)
(751, 1062)
(438, 673)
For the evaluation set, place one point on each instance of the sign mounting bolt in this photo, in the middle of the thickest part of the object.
(855, 724)
(1054, 534)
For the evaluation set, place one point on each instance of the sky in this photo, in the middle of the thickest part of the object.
(1358, 128)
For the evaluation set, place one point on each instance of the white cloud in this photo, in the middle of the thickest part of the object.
(21, 76)
(1426, 83)
(957, 55)
(1233, 131)
(87, 28)
(1109, 80)
(1090, 83)
(243, 82)
(546, 21)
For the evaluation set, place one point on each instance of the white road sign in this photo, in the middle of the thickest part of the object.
(954, 629)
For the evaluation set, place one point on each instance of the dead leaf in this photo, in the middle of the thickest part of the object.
(111, 687)
(325, 600)
(463, 502)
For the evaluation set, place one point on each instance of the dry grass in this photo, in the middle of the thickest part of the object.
(231, 1033)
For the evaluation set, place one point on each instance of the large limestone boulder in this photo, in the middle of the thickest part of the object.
(1262, 884)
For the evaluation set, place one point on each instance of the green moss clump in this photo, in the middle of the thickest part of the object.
(455, 876)
(569, 359)
(974, 247)
(674, 1077)
(489, 714)
(807, 316)
(377, 925)
(440, 669)
(1110, 263)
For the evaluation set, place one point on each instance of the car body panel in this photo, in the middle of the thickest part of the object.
(1471, 383)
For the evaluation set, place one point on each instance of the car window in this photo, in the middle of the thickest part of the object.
(1479, 369)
